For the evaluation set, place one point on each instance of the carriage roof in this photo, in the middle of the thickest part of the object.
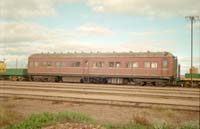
(101, 54)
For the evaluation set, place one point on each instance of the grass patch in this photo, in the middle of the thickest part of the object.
(36, 121)
(189, 125)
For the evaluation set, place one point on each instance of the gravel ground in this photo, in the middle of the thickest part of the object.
(102, 113)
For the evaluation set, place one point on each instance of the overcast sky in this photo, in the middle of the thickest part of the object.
(35, 26)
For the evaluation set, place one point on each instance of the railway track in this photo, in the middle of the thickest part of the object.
(107, 87)
(179, 99)
(102, 92)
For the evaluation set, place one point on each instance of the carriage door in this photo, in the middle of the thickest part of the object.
(86, 68)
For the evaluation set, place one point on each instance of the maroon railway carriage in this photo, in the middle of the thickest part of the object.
(141, 68)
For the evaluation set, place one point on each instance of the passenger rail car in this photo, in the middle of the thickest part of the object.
(154, 68)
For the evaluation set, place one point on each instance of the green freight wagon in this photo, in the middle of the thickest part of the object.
(195, 76)
(186, 80)
(14, 74)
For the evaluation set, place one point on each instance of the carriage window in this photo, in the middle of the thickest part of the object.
(49, 64)
(36, 64)
(164, 63)
(135, 65)
(114, 64)
(60, 64)
(129, 65)
(154, 65)
(99, 64)
(75, 64)
(132, 65)
(117, 64)
(146, 64)
(57, 64)
(111, 64)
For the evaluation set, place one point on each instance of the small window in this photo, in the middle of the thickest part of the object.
(36, 64)
(135, 65)
(49, 64)
(114, 64)
(129, 65)
(146, 64)
(164, 63)
(117, 65)
(75, 64)
(154, 65)
(111, 64)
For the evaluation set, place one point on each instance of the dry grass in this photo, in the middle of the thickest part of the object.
(7, 115)
(141, 120)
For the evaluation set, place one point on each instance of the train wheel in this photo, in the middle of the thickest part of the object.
(154, 84)
(81, 81)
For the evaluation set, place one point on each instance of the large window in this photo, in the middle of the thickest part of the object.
(98, 64)
(132, 64)
(147, 64)
(154, 65)
(60, 64)
(75, 64)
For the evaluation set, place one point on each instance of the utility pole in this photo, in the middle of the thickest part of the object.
(192, 19)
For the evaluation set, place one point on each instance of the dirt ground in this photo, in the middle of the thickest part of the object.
(101, 113)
